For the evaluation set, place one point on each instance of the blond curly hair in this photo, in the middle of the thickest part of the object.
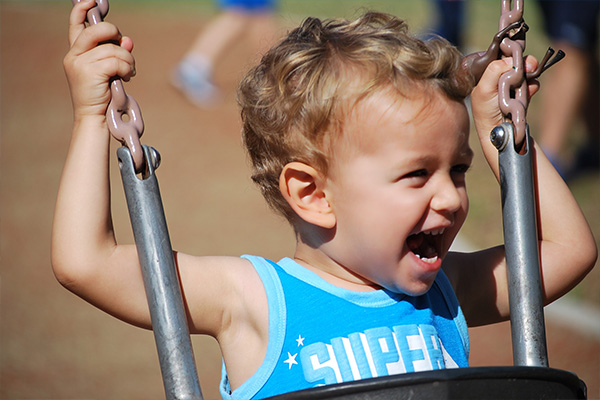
(292, 103)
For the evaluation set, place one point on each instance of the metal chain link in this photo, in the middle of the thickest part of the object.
(123, 114)
(96, 14)
(513, 96)
(125, 122)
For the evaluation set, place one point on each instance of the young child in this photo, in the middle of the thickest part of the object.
(358, 133)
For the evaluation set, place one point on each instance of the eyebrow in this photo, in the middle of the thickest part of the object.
(465, 153)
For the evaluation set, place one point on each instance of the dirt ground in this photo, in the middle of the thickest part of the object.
(52, 344)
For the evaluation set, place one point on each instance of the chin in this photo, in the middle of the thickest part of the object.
(416, 293)
(420, 287)
(416, 288)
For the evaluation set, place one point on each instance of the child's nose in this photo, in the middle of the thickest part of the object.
(447, 198)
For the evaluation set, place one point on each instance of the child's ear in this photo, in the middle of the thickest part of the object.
(303, 187)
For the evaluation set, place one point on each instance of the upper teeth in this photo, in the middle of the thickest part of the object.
(435, 231)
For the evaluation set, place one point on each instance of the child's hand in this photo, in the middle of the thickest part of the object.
(484, 99)
(97, 53)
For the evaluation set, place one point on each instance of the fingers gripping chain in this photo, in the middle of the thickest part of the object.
(123, 115)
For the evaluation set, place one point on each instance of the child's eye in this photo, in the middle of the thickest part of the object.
(415, 178)
(459, 172)
(416, 174)
(461, 168)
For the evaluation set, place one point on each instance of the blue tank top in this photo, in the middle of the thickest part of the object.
(321, 334)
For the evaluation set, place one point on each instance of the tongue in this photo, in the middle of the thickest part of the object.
(422, 245)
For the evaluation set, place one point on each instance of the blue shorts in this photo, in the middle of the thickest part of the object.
(248, 5)
(575, 22)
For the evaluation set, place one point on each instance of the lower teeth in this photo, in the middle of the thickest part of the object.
(429, 260)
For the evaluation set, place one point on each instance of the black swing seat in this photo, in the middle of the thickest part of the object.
(481, 383)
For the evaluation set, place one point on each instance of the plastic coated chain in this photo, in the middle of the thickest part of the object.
(512, 87)
(123, 115)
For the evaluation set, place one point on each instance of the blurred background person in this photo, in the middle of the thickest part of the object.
(450, 16)
(238, 20)
(571, 88)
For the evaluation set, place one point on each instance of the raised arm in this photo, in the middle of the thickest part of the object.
(567, 248)
(85, 255)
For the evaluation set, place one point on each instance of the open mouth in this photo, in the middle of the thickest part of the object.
(426, 245)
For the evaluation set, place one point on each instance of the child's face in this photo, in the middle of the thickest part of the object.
(397, 182)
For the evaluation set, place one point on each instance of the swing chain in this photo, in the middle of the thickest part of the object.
(97, 13)
(123, 114)
(512, 87)
(513, 96)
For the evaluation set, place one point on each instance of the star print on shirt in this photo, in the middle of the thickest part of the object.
(291, 360)
(300, 340)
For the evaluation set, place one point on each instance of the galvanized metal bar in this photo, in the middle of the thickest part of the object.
(522, 252)
(161, 279)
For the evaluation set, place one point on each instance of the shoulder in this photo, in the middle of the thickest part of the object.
(220, 291)
(226, 299)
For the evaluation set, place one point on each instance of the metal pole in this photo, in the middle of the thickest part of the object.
(161, 280)
(521, 244)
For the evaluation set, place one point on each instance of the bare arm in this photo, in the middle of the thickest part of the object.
(567, 247)
(85, 255)
(83, 243)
